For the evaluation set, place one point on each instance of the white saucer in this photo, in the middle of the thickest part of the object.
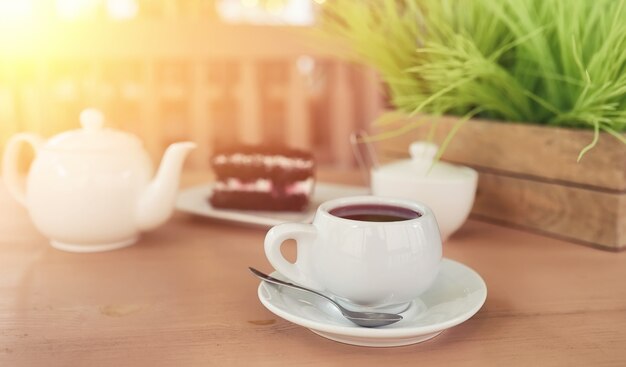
(457, 294)
(195, 201)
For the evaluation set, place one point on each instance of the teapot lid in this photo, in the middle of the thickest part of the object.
(422, 165)
(93, 137)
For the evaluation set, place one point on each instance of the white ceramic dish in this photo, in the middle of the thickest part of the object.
(365, 264)
(93, 189)
(194, 200)
(457, 294)
(448, 189)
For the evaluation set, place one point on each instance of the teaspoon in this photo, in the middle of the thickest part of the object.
(366, 319)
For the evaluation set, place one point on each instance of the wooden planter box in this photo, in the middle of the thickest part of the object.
(529, 177)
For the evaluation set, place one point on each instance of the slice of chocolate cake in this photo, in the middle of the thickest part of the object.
(262, 178)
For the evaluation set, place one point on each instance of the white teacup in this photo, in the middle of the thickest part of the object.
(366, 263)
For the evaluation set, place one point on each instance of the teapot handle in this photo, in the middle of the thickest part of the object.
(10, 174)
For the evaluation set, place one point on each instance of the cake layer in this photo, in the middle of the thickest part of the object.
(266, 185)
(250, 163)
(262, 178)
(250, 200)
(265, 150)
(259, 172)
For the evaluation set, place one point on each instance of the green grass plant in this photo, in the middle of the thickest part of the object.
(547, 62)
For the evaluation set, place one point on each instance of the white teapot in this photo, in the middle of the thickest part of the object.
(92, 189)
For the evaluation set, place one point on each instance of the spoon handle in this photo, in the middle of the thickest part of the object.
(271, 279)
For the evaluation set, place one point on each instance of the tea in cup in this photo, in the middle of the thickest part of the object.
(370, 253)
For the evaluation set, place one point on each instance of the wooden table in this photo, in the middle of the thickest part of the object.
(183, 297)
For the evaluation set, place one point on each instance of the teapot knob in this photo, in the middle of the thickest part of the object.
(91, 119)
(422, 150)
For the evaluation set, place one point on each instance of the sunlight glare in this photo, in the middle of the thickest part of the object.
(74, 9)
(15, 11)
(122, 9)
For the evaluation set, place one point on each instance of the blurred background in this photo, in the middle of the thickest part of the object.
(212, 71)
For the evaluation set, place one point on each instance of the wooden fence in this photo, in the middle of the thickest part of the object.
(168, 80)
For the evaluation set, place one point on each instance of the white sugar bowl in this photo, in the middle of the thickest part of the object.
(448, 189)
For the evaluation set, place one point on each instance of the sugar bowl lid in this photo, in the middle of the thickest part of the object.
(93, 137)
(422, 166)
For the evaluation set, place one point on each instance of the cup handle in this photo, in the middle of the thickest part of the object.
(303, 234)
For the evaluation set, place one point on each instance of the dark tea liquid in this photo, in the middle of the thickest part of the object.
(374, 213)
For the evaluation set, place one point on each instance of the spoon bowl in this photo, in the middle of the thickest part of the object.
(365, 319)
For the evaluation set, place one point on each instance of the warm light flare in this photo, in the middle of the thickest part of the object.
(15, 11)
(122, 9)
(250, 3)
(74, 9)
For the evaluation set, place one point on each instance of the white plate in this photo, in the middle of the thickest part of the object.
(195, 200)
(457, 294)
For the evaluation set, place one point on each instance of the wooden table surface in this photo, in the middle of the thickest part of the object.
(183, 297)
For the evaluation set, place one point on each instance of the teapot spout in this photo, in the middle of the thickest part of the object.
(156, 203)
